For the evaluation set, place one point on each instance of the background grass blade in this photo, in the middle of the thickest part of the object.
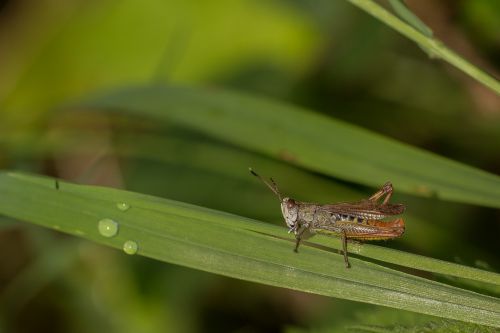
(228, 167)
(406, 14)
(227, 244)
(307, 139)
(169, 165)
(434, 46)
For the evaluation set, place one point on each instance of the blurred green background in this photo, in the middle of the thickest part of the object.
(327, 56)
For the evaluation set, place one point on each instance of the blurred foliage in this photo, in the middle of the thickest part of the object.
(325, 55)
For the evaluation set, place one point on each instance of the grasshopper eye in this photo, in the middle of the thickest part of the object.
(290, 203)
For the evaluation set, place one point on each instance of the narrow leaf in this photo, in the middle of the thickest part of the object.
(309, 140)
(432, 45)
(406, 14)
(230, 245)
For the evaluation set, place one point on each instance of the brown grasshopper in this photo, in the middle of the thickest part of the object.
(350, 220)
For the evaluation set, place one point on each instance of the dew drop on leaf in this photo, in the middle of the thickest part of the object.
(130, 247)
(107, 227)
(123, 206)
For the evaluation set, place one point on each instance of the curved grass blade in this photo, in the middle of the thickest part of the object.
(441, 326)
(433, 46)
(231, 163)
(309, 140)
(169, 165)
(406, 14)
(230, 245)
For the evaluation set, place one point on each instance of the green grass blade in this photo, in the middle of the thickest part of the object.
(231, 245)
(416, 261)
(432, 45)
(204, 157)
(442, 326)
(171, 165)
(309, 140)
(406, 14)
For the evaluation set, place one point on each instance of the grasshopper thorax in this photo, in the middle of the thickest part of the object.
(290, 210)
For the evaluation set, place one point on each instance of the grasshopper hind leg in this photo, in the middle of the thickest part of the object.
(386, 191)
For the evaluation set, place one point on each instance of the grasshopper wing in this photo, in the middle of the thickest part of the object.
(365, 209)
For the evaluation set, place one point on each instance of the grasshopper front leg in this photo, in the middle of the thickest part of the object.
(344, 249)
(297, 243)
(298, 238)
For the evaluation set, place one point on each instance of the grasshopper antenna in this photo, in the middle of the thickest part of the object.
(272, 186)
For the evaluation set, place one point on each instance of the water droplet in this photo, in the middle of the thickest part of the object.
(56, 227)
(79, 232)
(107, 227)
(122, 206)
(130, 247)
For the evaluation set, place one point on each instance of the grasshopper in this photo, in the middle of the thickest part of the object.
(360, 220)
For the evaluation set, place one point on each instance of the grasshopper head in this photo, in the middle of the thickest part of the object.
(290, 210)
(289, 207)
